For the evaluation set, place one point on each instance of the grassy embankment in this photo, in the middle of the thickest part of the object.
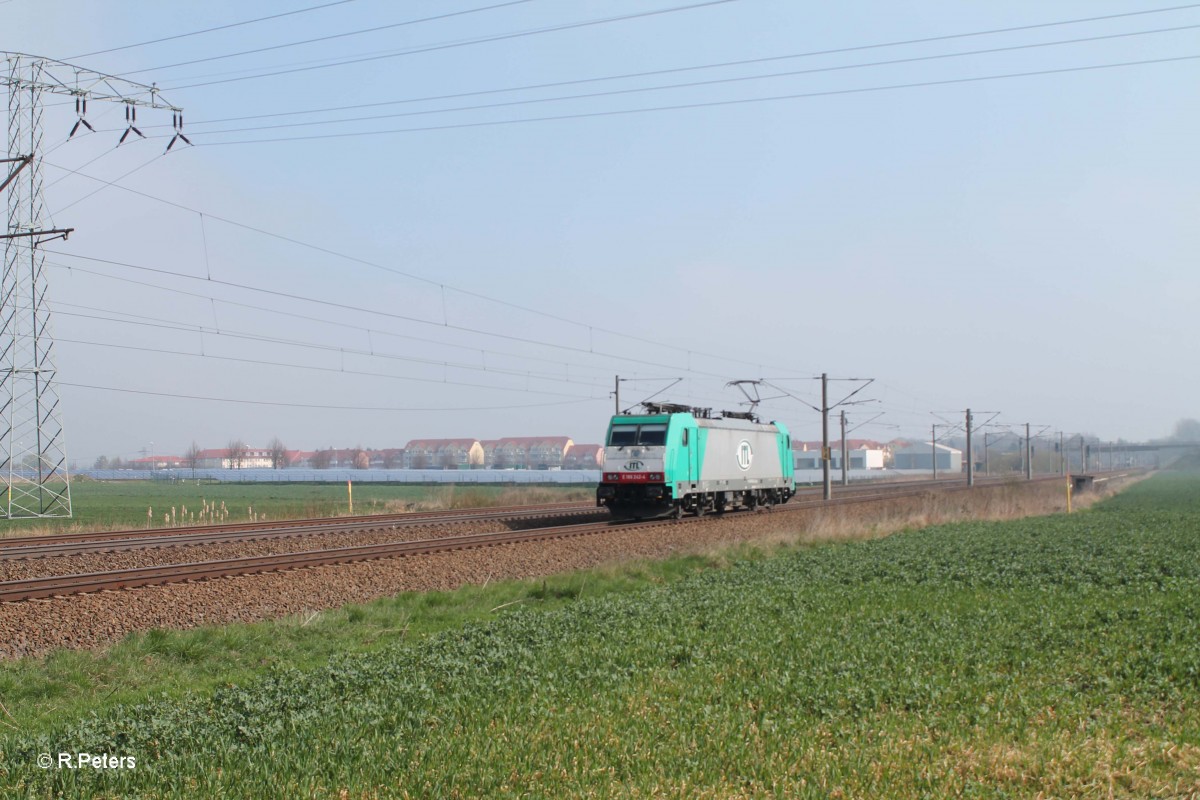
(1058, 655)
(105, 505)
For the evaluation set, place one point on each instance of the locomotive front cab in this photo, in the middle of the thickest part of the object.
(634, 482)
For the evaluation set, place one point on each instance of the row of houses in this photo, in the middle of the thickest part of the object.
(516, 452)
(531, 452)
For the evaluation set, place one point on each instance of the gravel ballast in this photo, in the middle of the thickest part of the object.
(86, 621)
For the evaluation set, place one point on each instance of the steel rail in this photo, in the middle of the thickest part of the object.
(317, 525)
(66, 545)
(33, 588)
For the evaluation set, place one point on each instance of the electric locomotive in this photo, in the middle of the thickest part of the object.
(674, 459)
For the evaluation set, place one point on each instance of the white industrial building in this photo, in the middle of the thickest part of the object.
(862, 454)
(920, 456)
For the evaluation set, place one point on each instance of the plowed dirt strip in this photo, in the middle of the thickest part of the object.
(37, 626)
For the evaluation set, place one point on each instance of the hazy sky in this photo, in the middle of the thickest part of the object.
(1025, 245)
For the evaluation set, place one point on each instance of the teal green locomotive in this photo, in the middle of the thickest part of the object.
(674, 459)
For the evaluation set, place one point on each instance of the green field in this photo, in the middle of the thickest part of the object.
(1056, 656)
(137, 504)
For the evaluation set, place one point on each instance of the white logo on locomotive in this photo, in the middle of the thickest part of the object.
(745, 454)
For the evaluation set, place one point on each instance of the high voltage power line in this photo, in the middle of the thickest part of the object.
(428, 281)
(712, 103)
(336, 370)
(327, 348)
(284, 404)
(641, 89)
(369, 332)
(342, 350)
(469, 42)
(694, 84)
(697, 67)
(395, 315)
(332, 36)
(202, 330)
(210, 30)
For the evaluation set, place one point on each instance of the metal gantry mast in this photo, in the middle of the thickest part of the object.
(33, 451)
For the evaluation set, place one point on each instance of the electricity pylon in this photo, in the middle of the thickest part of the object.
(33, 451)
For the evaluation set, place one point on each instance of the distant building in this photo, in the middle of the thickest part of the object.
(220, 458)
(584, 456)
(861, 454)
(156, 462)
(920, 456)
(388, 458)
(300, 458)
(443, 454)
(527, 452)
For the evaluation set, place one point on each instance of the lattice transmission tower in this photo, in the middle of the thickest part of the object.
(33, 451)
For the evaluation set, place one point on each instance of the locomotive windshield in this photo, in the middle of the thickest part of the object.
(622, 435)
(646, 435)
(652, 435)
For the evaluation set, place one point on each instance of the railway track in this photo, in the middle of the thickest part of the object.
(13, 591)
(72, 544)
(75, 544)
(59, 585)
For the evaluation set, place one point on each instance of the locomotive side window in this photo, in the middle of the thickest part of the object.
(622, 435)
(685, 437)
(653, 435)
